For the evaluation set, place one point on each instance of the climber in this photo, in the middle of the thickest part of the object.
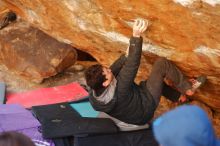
(186, 125)
(115, 93)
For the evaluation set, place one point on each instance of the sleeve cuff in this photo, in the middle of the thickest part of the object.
(135, 40)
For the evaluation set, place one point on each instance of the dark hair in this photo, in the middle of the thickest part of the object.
(14, 139)
(94, 77)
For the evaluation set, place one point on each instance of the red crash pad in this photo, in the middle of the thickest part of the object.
(44, 96)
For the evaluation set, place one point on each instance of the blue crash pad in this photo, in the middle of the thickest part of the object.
(85, 109)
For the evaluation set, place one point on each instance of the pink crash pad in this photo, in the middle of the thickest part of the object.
(44, 96)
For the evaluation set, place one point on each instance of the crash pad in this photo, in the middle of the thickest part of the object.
(14, 117)
(2, 92)
(85, 109)
(43, 96)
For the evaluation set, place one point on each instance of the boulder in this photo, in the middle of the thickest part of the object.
(31, 53)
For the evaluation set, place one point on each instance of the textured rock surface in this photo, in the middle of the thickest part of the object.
(187, 35)
(33, 54)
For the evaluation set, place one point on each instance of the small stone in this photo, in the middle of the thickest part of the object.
(78, 67)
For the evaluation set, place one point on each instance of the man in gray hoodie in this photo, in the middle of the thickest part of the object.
(115, 92)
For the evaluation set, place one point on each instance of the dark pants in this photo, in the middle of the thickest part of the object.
(163, 68)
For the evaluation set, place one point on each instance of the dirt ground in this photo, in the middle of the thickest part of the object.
(75, 73)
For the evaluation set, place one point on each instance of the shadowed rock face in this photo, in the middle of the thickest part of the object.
(189, 35)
